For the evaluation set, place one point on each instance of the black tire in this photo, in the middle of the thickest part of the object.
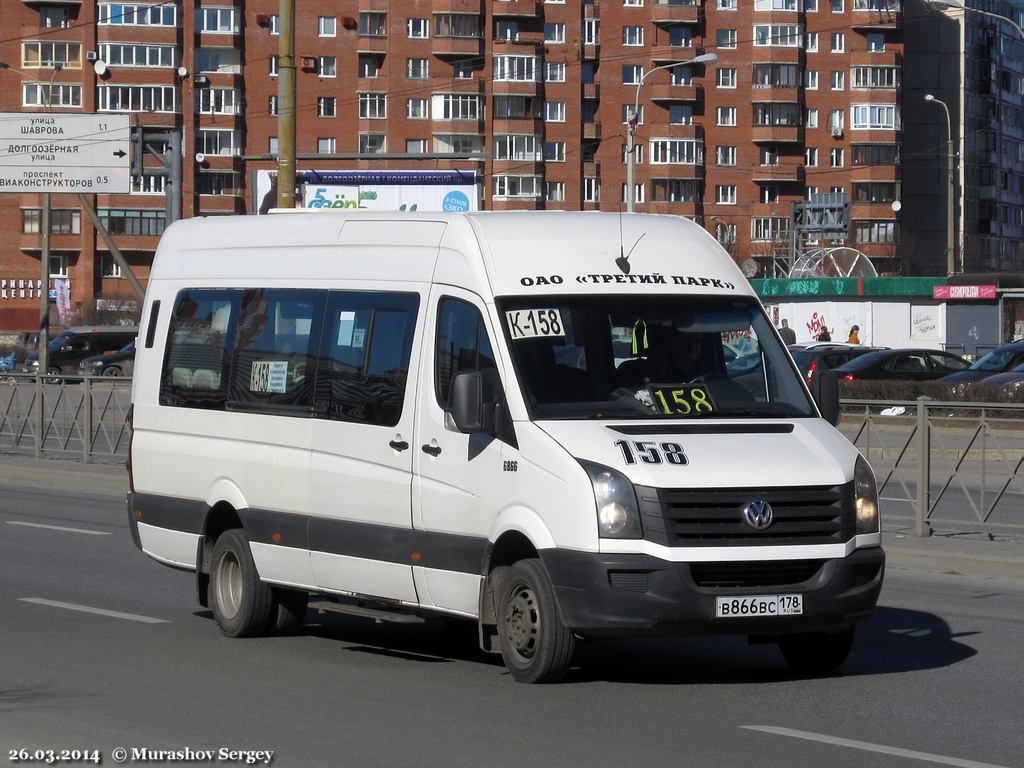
(535, 645)
(289, 610)
(817, 653)
(113, 371)
(241, 603)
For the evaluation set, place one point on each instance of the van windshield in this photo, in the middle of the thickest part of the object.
(644, 357)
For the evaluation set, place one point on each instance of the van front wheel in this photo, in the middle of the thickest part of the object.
(817, 653)
(535, 645)
(241, 603)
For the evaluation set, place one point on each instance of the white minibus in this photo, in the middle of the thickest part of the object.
(557, 425)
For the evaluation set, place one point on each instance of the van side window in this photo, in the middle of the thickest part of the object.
(367, 345)
(198, 357)
(275, 342)
(463, 345)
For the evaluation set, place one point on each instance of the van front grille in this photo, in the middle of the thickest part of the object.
(713, 517)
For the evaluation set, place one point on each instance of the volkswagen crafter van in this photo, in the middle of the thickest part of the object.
(524, 419)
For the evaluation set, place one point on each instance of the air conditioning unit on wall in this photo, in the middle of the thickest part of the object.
(837, 132)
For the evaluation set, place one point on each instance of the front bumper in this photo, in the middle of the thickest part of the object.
(609, 595)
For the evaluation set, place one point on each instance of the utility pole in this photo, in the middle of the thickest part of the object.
(286, 107)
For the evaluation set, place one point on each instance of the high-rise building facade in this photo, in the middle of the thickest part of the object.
(533, 102)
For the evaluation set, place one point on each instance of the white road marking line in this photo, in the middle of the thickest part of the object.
(869, 747)
(87, 609)
(59, 528)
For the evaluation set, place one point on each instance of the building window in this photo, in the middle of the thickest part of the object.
(216, 182)
(838, 42)
(864, 78)
(725, 194)
(882, 116)
(416, 69)
(217, 141)
(272, 62)
(326, 106)
(373, 106)
(272, 105)
(836, 157)
(416, 146)
(275, 24)
(138, 55)
(223, 60)
(517, 186)
(770, 193)
(769, 229)
(875, 192)
(147, 222)
(876, 42)
(725, 116)
(811, 79)
(680, 37)
(373, 24)
(775, 5)
(811, 157)
(776, 76)
(453, 106)
(50, 54)
(639, 193)
(554, 33)
(776, 114)
(54, 18)
(327, 66)
(327, 26)
(457, 25)
(137, 15)
(591, 31)
(632, 36)
(417, 109)
(418, 29)
(554, 151)
(218, 20)
(680, 114)
(880, 232)
(372, 143)
(725, 233)
(726, 77)
(674, 191)
(725, 155)
(632, 74)
(811, 42)
(837, 81)
(107, 266)
(137, 98)
(554, 111)
(463, 69)
(273, 146)
(778, 35)
(518, 68)
(875, 154)
(217, 101)
(554, 191)
(458, 144)
(677, 152)
(369, 66)
(554, 72)
(47, 95)
(517, 147)
(62, 221)
(325, 145)
(591, 189)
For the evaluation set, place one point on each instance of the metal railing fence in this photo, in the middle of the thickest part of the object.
(951, 463)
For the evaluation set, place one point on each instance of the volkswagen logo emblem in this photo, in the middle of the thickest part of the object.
(758, 514)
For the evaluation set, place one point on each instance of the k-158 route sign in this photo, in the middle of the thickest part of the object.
(51, 152)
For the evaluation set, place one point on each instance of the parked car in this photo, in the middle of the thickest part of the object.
(70, 347)
(119, 363)
(1008, 381)
(999, 360)
(905, 364)
(825, 355)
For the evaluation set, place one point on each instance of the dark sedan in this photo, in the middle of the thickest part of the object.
(999, 360)
(823, 355)
(905, 364)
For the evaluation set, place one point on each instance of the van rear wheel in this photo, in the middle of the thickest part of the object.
(535, 645)
(817, 653)
(241, 603)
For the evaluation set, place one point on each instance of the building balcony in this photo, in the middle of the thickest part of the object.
(592, 130)
(677, 12)
(373, 5)
(888, 58)
(458, 85)
(672, 93)
(670, 54)
(515, 87)
(773, 92)
(777, 134)
(688, 171)
(591, 91)
(874, 136)
(872, 14)
(372, 44)
(445, 127)
(778, 54)
(457, 46)
(458, 6)
(531, 125)
(676, 131)
(786, 170)
(518, 166)
(515, 8)
(879, 172)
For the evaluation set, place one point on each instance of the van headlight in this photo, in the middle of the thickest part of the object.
(866, 497)
(618, 514)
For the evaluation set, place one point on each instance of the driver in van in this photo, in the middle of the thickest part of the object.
(670, 356)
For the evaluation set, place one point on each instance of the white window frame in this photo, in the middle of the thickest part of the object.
(554, 111)
(726, 117)
(418, 29)
(373, 105)
(327, 26)
(726, 194)
(632, 36)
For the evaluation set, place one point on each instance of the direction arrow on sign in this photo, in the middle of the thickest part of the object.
(57, 152)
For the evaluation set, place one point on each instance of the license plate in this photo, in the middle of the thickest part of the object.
(759, 605)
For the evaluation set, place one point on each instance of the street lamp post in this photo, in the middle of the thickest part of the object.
(951, 188)
(956, 5)
(634, 118)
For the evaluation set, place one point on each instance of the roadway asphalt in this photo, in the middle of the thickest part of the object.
(977, 553)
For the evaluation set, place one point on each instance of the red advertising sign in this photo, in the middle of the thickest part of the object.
(963, 292)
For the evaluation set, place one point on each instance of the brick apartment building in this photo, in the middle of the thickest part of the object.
(529, 101)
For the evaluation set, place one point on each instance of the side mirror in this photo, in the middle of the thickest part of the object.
(825, 391)
(466, 402)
